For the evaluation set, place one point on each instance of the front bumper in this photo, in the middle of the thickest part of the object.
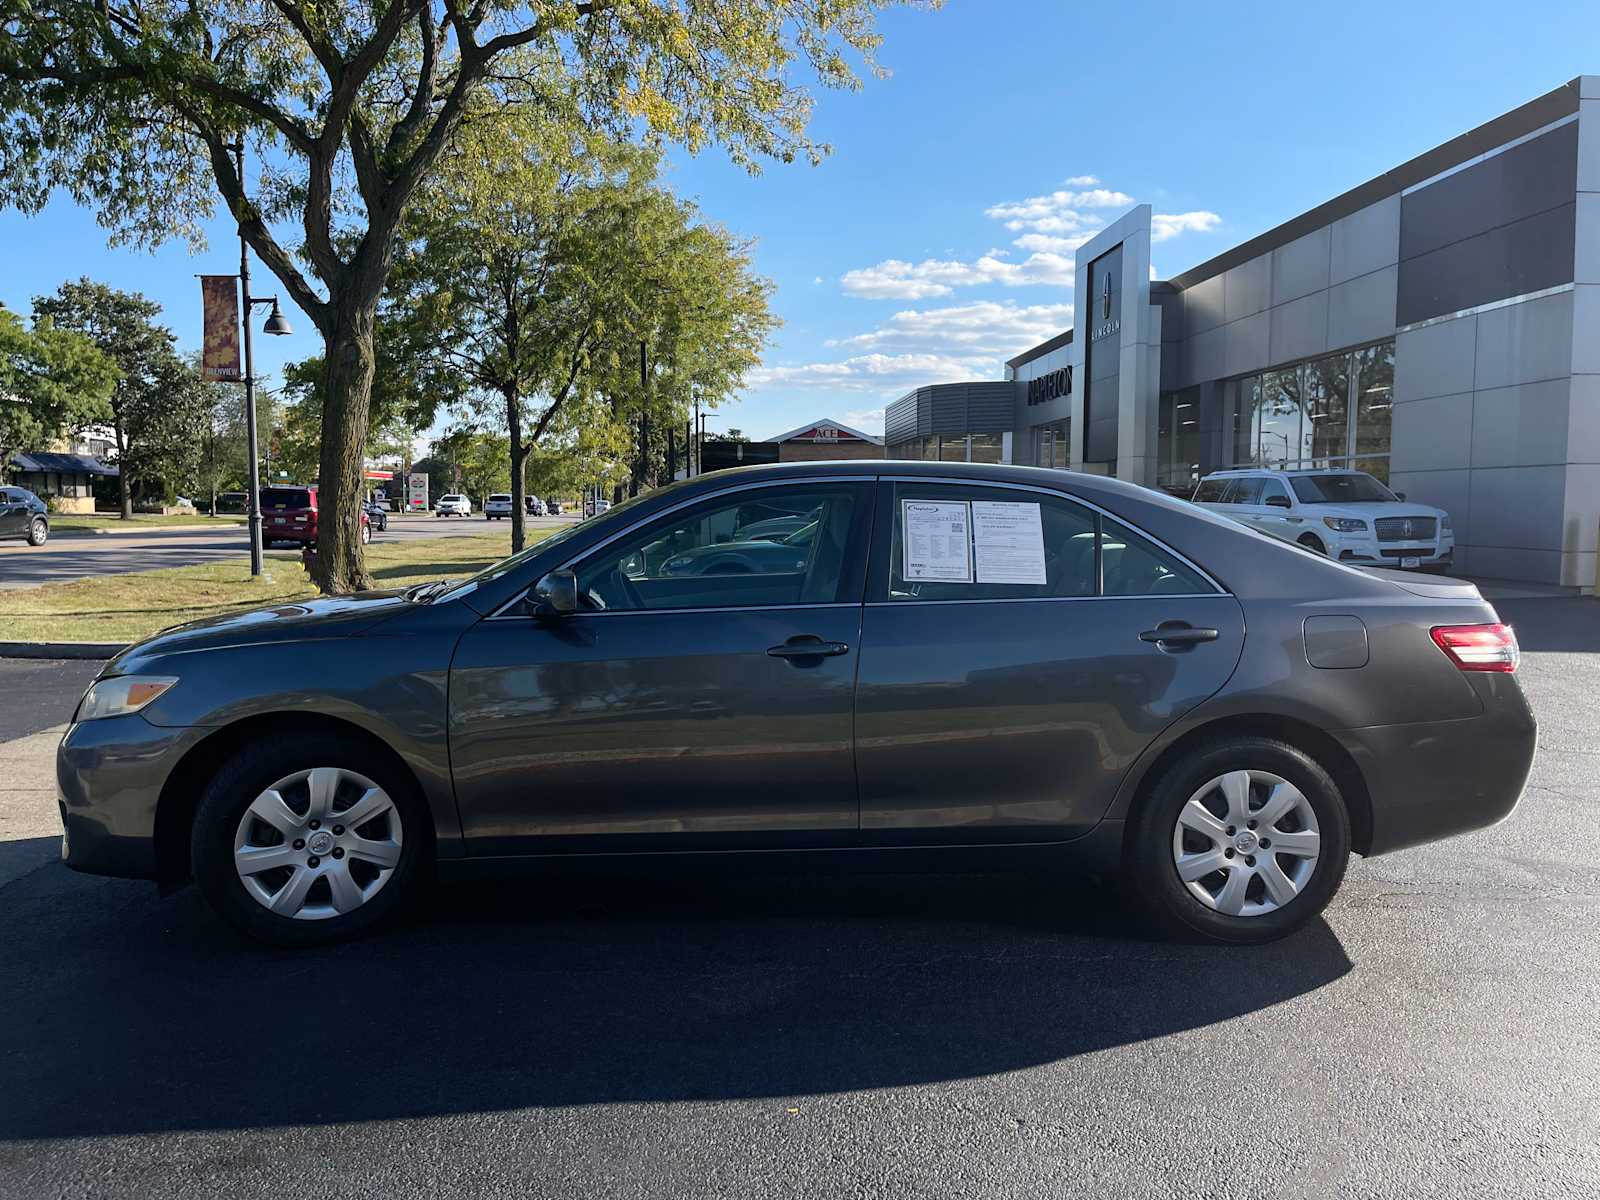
(1367, 551)
(1436, 779)
(110, 774)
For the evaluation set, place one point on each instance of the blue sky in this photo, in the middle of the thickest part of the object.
(936, 240)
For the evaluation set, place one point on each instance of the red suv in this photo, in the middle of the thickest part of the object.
(289, 514)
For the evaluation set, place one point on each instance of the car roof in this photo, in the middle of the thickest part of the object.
(1236, 472)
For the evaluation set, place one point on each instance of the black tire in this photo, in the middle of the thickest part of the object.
(257, 767)
(38, 532)
(366, 533)
(1151, 875)
(1313, 543)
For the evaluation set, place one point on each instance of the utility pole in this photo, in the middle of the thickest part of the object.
(275, 325)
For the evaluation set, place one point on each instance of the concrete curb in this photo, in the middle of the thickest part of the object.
(148, 530)
(80, 650)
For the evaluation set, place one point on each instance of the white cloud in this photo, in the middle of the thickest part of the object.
(869, 420)
(1057, 207)
(998, 329)
(883, 374)
(1051, 244)
(818, 279)
(1166, 226)
(895, 279)
(1083, 181)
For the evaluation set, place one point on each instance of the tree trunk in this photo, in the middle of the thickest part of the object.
(519, 455)
(124, 475)
(347, 375)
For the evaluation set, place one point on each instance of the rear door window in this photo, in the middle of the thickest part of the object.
(1211, 491)
(961, 542)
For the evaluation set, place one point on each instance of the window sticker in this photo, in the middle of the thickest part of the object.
(936, 539)
(1008, 542)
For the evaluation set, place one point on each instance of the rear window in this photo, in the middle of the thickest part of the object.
(280, 497)
(501, 496)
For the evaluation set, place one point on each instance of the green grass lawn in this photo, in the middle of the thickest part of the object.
(125, 608)
(69, 522)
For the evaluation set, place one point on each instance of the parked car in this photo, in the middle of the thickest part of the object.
(289, 515)
(453, 505)
(496, 506)
(1076, 673)
(24, 515)
(231, 502)
(1347, 515)
(534, 506)
(554, 507)
(377, 514)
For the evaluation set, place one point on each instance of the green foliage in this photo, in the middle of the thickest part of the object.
(158, 406)
(132, 107)
(52, 382)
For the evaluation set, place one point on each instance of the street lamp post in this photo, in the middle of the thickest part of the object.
(276, 324)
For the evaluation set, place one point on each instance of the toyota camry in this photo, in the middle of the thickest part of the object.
(957, 664)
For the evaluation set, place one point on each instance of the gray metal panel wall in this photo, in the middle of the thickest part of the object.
(979, 407)
(900, 419)
(1499, 228)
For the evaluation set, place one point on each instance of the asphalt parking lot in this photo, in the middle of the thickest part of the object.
(1434, 1036)
(75, 556)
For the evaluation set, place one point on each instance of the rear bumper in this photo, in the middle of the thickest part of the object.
(110, 774)
(1436, 779)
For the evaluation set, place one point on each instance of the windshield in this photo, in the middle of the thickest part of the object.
(1351, 487)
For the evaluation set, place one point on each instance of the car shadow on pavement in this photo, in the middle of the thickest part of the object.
(126, 1014)
(1563, 624)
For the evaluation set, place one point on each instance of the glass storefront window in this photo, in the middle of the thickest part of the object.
(1374, 374)
(985, 447)
(1322, 413)
(1050, 445)
(953, 448)
(1277, 425)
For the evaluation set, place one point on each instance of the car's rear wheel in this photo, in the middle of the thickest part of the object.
(307, 840)
(1243, 840)
(366, 533)
(38, 532)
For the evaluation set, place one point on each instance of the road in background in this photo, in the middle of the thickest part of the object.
(826, 1035)
(69, 557)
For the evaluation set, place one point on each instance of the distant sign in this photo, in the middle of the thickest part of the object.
(417, 492)
(825, 433)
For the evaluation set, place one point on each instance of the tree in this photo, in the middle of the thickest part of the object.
(153, 420)
(52, 382)
(520, 290)
(133, 107)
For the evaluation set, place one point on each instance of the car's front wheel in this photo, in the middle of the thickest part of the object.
(38, 532)
(308, 839)
(1242, 840)
(1313, 543)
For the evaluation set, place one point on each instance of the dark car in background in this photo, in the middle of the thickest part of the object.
(377, 515)
(961, 664)
(289, 515)
(24, 515)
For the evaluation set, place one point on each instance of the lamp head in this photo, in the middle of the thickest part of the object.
(277, 323)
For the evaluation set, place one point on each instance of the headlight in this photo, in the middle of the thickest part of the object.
(1345, 524)
(121, 695)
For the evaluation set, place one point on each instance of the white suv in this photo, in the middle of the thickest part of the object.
(1346, 515)
(453, 505)
(496, 506)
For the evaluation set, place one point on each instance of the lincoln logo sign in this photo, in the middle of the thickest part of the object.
(1107, 326)
(1050, 387)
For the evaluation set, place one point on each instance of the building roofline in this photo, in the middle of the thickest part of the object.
(866, 437)
(1043, 348)
(1534, 115)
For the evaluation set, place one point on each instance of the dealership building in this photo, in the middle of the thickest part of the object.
(1438, 326)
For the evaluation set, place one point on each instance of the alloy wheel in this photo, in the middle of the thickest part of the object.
(1246, 843)
(318, 844)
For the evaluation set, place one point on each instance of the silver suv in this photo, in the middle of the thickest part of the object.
(1344, 514)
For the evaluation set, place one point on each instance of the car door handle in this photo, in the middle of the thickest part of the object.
(807, 646)
(1175, 633)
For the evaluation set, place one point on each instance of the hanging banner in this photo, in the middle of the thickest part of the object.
(219, 296)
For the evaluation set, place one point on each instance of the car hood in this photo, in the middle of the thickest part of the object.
(323, 617)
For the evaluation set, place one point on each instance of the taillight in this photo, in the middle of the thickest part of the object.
(1479, 647)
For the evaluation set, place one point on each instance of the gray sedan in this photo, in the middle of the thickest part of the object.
(993, 664)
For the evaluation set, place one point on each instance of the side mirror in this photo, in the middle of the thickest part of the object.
(1399, 495)
(556, 595)
(1277, 502)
